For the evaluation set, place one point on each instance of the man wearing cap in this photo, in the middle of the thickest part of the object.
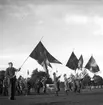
(10, 75)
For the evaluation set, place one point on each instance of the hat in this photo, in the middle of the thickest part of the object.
(64, 75)
(10, 63)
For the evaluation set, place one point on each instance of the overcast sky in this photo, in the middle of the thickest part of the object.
(67, 25)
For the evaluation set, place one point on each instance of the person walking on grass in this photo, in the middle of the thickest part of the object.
(10, 75)
(56, 83)
(66, 84)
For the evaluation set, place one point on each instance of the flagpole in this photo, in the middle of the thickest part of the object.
(46, 67)
(29, 55)
(24, 62)
(73, 49)
(41, 38)
(27, 82)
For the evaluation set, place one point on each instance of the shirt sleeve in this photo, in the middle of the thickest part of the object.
(15, 69)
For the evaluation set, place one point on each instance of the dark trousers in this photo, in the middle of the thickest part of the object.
(12, 88)
(1, 89)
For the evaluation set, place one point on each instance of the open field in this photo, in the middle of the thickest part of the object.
(87, 97)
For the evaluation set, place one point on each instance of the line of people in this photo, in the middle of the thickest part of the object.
(72, 84)
(11, 85)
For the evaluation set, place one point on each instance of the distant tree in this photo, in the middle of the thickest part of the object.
(35, 72)
(86, 80)
(2, 74)
(34, 77)
(38, 75)
(98, 80)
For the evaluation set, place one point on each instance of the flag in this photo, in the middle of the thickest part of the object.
(80, 62)
(72, 62)
(83, 74)
(46, 62)
(27, 72)
(92, 65)
(44, 65)
(40, 52)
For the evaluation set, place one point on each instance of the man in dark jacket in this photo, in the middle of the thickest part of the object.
(10, 75)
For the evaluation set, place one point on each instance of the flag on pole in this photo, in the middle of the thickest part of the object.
(72, 62)
(46, 59)
(40, 52)
(44, 65)
(80, 62)
(48, 63)
(92, 65)
(27, 72)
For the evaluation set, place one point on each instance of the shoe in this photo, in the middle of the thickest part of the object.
(10, 98)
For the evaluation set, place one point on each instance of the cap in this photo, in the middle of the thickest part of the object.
(64, 75)
(10, 63)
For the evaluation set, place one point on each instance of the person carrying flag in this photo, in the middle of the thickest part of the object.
(56, 83)
(44, 80)
(10, 75)
(66, 84)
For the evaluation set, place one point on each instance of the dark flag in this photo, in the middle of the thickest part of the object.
(72, 62)
(45, 62)
(44, 65)
(27, 72)
(80, 62)
(92, 65)
(40, 53)
(48, 63)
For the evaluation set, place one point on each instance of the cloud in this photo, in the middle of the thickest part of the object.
(18, 11)
(12, 56)
(90, 21)
(40, 22)
(76, 19)
(99, 22)
(5, 57)
(1, 7)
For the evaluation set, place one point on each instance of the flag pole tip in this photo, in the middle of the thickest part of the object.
(73, 49)
(41, 38)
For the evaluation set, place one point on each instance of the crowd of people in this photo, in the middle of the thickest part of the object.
(12, 86)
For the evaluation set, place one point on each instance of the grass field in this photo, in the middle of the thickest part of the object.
(87, 97)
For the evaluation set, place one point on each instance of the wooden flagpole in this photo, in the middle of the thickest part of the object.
(28, 56)
(24, 62)
(41, 38)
